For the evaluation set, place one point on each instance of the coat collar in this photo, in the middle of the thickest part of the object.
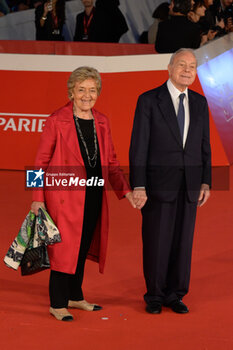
(67, 128)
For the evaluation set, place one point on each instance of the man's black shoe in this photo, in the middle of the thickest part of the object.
(179, 307)
(155, 308)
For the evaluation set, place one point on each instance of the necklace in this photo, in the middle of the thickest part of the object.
(91, 160)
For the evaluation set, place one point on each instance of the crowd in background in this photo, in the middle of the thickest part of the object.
(189, 23)
(186, 23)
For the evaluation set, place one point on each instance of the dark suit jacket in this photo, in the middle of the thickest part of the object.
(158, 160)
(175, 33)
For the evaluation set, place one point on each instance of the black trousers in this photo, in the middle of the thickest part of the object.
(167, 233)
(63, 286)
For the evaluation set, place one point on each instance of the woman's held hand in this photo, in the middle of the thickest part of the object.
(139, 197)
(36, 205)
(129, 196)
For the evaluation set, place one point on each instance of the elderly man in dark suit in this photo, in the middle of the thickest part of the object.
(170, 172)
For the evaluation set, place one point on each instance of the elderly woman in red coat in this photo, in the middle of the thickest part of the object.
(77, 138)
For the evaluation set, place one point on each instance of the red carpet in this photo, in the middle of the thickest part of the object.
(26, 324)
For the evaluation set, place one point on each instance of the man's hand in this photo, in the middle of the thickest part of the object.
(204, 194)
(139, 197)
(36, 205)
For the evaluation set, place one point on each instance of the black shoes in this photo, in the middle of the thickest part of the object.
(178, 306)
(155, 308)
(97, 307)
(61, 314)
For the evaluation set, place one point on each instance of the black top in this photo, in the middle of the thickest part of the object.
(50, 30)
(93, 194)
(105, 26)
(87, 128)
(175, 33)
(207, 22)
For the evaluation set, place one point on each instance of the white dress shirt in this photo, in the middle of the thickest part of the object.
(175, 93)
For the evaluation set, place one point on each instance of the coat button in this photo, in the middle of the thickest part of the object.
(62, 201)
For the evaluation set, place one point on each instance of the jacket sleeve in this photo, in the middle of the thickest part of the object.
(45, 152)
(206, 150)
(139, 145)
(115, 174)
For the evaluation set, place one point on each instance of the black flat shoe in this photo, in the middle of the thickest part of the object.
(61, 314)
(155, 308)
(97, 307)
(179, 307)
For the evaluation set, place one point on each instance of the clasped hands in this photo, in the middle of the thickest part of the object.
(137, 198)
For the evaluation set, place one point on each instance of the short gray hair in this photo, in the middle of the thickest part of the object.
(79, 75)
(180, 51)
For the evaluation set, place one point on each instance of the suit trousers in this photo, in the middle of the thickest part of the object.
(167, 233)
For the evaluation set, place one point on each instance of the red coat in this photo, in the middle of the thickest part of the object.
(59, 146)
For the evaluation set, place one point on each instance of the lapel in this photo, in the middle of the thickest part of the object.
(168, 112)
(68, 131)
(100, 131)
(192, 119)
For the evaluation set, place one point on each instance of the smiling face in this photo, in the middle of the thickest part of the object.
(84, 96)
(183, 69)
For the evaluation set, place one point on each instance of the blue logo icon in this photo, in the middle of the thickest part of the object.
(35, 178)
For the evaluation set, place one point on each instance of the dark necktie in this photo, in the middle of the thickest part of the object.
(180, 115)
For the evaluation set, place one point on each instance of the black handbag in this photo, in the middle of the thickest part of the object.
(35, 260)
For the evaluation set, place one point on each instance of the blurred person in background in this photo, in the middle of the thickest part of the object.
(116, 22)
(197, 13)
(22, 5)
(160, 14)
(100, 22)
(87, 23)
(177, 31)
(210, 21)
(49, 20)
(4, 8)
(223, 10)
